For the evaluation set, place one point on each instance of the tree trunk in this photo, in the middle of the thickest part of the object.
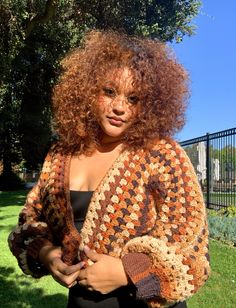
(7, 166)
(6, 138)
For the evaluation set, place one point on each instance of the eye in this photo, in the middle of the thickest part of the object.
(133, 99)
(109, 92)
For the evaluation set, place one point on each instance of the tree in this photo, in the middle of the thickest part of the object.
(165, 19)
(35, 34)
(227, 162)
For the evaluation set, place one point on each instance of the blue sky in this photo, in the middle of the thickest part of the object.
(210, 58)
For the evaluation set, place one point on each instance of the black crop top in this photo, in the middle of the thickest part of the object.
(80, 201)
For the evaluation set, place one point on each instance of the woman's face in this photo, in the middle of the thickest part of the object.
(117, 105)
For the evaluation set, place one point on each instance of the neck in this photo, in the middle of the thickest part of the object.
(109, 145)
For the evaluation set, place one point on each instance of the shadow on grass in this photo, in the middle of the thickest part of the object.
(4, 226)
(8, 198)
(7, 228)
(5, 216)
(19, 291)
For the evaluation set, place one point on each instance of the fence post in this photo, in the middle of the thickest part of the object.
(208, 170)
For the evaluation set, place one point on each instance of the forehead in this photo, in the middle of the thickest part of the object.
(120, 77)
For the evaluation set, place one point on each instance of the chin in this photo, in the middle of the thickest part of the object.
(113, 132)
(113, 135)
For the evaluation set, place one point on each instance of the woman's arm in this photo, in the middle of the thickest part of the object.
(32, 232)
(171, 263)
(32, 242)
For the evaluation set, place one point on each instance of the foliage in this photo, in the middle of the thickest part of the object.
(10, 181)
(34, 35)
(227, 159)
(167, 20)
(223, 228)
(222, 224)
(192, 152)
(229, 211)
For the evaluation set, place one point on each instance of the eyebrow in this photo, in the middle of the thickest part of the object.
(110, 83)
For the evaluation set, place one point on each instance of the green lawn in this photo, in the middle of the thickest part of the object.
(19, 291)
(16, 289)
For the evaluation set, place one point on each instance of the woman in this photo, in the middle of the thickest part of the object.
(117, 215)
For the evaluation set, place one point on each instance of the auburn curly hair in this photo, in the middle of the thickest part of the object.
(160, 83)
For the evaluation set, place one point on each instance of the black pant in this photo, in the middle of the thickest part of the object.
(180, 305)
(79, 297)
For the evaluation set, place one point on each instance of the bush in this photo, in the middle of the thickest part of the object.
(10, 181)
(229, 211)
(223, 228)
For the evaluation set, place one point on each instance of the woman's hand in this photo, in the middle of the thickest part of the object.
(105, 275)
(66, 275)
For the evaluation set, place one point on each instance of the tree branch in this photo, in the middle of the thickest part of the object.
(50, 8)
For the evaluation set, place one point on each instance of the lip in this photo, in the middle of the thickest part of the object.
(116, 121)
(116, 118)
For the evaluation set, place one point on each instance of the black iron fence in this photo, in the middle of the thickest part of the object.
(214, 159)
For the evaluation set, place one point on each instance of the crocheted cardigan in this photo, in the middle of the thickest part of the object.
(148, 210)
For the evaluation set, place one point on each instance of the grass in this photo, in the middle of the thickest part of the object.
(16, 289)
(20, 291)
(220, 289)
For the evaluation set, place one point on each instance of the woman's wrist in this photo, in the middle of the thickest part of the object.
(48, 252)
(123, 275)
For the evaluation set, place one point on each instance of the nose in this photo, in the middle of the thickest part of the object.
(119, 105)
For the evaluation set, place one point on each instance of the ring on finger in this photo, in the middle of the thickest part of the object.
(89, 288)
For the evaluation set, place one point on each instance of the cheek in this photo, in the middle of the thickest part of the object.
(103, 104)
(133, 112)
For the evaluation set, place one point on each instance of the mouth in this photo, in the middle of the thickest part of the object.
(116, 121)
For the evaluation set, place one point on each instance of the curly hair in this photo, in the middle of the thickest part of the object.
(159, 81)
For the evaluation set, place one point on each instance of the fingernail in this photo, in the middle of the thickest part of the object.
(73, 284)
(86, 248)
(78, 256)
(81, 264)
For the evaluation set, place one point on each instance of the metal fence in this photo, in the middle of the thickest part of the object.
(214, 159)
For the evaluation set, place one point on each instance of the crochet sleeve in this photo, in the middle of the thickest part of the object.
(32, 232)
(171, 262)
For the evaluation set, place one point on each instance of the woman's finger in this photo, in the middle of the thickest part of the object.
(83, 282)
(68, 270)
(92, 255)
(82, 274)
(66, 280)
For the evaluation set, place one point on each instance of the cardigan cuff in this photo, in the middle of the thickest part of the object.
(138, 268)
(35, 265)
